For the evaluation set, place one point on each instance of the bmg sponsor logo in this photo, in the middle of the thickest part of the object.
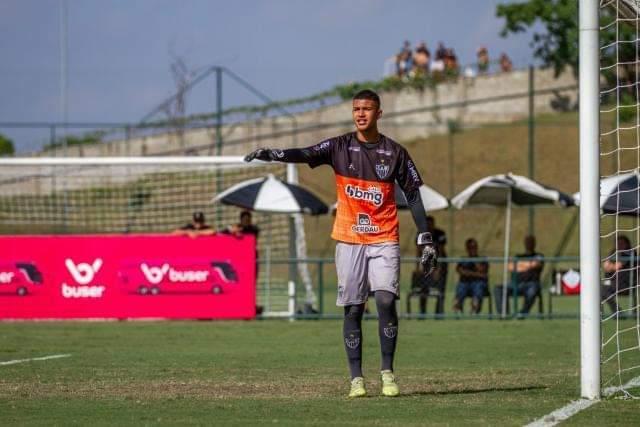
(364, 225)
(371, 194)
(83, 274)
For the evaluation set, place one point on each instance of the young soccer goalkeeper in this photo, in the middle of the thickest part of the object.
(366, 165)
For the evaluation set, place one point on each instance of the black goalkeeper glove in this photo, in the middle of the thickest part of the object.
(265, 154)
(429, 256)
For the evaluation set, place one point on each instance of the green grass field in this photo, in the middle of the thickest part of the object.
(480, 372)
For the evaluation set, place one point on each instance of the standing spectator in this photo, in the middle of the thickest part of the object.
(527, 267)
(438, 278)
(441, 52)
(421, 59)
(438, 64)
(197, 227)
(620, 272)
(404, 60)
(473, 280)
(483, 60)
(451, 63)
(505, 63)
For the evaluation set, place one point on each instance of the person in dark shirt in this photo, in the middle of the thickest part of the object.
(367, 164)
(620, 272)
(197, 227)
(438, 279)
(473, 279)
(245, 226)
(527, 267)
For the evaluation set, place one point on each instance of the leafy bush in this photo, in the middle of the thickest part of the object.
(6, 146)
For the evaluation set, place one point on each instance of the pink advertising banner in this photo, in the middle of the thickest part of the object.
(127, 276)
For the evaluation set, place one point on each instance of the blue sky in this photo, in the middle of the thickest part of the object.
(120, 50)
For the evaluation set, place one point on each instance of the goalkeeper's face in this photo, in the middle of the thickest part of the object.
(366, 113)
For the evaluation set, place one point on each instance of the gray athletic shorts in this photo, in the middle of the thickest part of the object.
(361, 268)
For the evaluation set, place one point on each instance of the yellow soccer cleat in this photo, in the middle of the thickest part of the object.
(389, 385)
(357, 388)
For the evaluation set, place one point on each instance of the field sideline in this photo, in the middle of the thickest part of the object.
(466, 372)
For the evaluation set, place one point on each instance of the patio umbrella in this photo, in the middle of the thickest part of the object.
(507, 190)
(431, 199)
(272, 195)
(619, 194)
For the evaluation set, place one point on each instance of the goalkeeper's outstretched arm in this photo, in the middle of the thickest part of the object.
(290, 155)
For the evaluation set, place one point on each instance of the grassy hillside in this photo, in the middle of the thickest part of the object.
(479, 152)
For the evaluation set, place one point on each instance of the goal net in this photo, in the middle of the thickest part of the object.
(619, 225)
(141, 195)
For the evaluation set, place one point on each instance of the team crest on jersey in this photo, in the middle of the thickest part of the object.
(382, 170)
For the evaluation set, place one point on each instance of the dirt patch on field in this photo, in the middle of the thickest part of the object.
(291, 387)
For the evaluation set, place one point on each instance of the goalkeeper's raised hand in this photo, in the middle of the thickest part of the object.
(265, 154)
(429, 256)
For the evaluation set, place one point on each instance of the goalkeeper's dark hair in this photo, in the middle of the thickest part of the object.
(368, 94)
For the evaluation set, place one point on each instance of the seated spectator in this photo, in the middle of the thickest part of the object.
(620, 272)
(419, 288)
(421, 59)
(473, 280)
(527, 267)
(438, 278)
(435, 283)
(483, 60)
(505, 63)
(197, 227)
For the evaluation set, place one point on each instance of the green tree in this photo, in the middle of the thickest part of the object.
(6, 146)
(557, 44)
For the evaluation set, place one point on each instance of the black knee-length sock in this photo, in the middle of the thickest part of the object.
(352, 333)
(387, 327)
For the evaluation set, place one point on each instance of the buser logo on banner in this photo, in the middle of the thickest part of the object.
(83, 274)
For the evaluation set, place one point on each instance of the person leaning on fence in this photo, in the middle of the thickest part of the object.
(527, 267)
(473, 280)
(197, 227)
(620, 270)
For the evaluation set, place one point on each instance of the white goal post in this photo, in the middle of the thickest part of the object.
(610, 225)
(589, 54)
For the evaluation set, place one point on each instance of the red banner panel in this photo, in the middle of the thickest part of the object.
(132, 276)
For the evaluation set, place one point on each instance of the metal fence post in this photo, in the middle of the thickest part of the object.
(320, 288)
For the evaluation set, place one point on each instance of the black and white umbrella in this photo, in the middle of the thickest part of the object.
(272, 195)
(508, 190)
(619, 194)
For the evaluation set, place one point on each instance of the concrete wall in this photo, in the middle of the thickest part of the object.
(335, 119)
